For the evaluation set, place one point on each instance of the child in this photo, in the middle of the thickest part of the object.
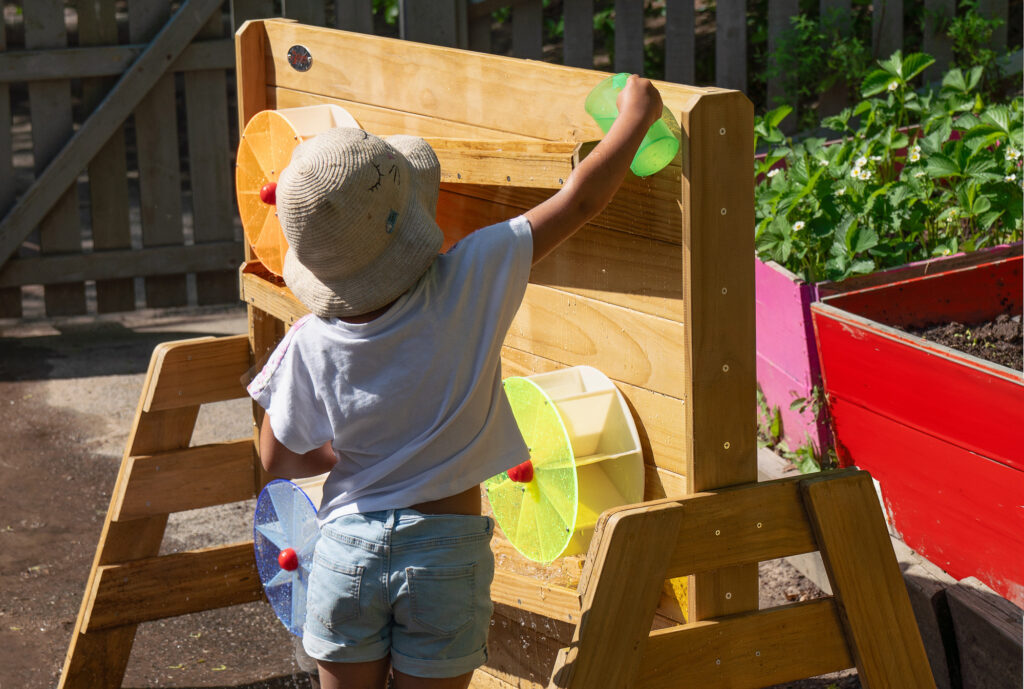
(393, 384)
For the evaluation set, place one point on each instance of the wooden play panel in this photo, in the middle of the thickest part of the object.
(656, 293)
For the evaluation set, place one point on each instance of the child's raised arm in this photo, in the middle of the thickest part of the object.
(592, 185)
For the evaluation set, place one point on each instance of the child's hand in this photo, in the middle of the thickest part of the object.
(639, 99)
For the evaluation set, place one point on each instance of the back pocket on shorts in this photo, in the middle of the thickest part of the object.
(442, 599)
(333, 595)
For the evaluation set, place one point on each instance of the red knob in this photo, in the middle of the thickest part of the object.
(288, 560)
(522, 473)
(268, 193)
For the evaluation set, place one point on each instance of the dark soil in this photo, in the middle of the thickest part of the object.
(999, 341)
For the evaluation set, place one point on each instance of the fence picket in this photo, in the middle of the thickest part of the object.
(578, 46)
(354, 15)
(107, 171)
(156, 142)
(305, 11)
(10, 297)
(438, 23)
(680, 46)
(244, 10)
(52, 126)
(528, 30)
(886, 27)
(629, 36)
(731, 44)
(210, 171)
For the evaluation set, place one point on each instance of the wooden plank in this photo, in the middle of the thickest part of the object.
(88, 61)
(779, 14)
(626, 345)
(436, 23)
(618, 606)
(515, 163)
(96, 130)
(171, 585)
(50, 105)
(862, 568)
(181, 480)
(10, 297)
(522, 647)
(198, 371)
(311, 12)
(680, 44)
(578, 47)
(385, 121)
(660, 418)
(747, 524)
(616, 267)
(490, 86)
(156, 142)
(935, 40)
(718, 299)
(629, 36)
(748, 651)
(527, 593)
(271, 297)
(119, 264)
(354, 15)
(210, 173)
(886, 28)
(731, 44)
(108, 169)
(528, 30)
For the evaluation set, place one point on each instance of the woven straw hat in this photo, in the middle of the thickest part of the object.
(358, 213)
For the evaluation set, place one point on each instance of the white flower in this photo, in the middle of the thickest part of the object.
(798, 225)
(1012, 177)
(946, 252)
(822, 163)
(1012, 153)
(876, 158)
(915, 149)
(855, 172)
(840, 191)
(894, 85)
(864, 175)
(861, 162)
(773, 172)
(920, 173)
(915, 155)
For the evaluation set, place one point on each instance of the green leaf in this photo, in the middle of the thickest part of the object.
(997, 116)
(775, 117)
(914, 64)
(941, 165)
(893, 64)
(876, 82)
(862, 267)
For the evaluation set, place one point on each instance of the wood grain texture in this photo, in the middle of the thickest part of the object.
(869, 590)
(198, 371)
(170, 585)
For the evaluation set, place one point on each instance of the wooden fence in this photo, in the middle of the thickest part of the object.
(116, 184)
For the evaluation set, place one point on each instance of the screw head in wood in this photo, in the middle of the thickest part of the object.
(725, 445)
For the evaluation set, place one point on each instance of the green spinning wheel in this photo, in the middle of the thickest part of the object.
(535, 503)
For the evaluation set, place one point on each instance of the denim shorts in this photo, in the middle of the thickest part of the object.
(400, 583)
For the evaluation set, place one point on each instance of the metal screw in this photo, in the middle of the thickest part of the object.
(718, 661)
(718, 532)
(723, 211)
(722, 131)
(757, 653)
(759, 525)
(728, 595)
(726, 445)
(725, 368)
(508, 178)
(725, 290)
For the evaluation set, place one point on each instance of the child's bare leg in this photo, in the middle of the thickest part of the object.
(370, 675)
(404, 681)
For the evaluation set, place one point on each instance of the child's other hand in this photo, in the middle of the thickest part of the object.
(641, 100)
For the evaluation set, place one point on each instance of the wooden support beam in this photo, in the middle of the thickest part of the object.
(170, 585)
(527, 593)
(96, 131)
(873, 603)
(198, 371)
(175, 481)
(747, 651)
(517, 163)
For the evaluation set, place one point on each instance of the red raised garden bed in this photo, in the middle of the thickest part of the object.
(941, 431)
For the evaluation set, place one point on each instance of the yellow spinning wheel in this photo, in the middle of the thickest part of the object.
(263, 152)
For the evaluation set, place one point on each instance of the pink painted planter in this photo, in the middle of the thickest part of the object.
(787, 356)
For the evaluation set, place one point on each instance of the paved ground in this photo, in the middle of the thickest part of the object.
(68, 393)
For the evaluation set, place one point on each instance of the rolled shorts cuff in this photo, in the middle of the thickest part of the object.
(435, 668)
(322, 649)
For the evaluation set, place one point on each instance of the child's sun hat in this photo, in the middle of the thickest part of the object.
(358, 213)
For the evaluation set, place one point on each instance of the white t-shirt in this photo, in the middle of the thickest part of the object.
(412, 401)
